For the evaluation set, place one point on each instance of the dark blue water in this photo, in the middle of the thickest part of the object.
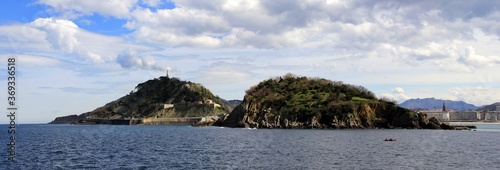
(185, 147)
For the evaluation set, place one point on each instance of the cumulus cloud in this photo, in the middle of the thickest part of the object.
(470, 58)
(397, 94)
(427, 32)
(476, 95)
(66, 37)
(59, 33)
(424, 28)
(129, 59)
(398, 90)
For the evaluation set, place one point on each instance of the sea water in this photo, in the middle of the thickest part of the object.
(186, 147)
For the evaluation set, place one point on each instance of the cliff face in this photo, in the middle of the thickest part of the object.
(327, 105)
(364, 115)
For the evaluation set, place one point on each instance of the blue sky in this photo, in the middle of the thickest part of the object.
(74, 56)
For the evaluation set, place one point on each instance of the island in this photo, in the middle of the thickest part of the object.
(160, 101)
(301, 102)
(284, 102)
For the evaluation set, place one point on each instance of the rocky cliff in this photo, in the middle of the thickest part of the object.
(300, 102)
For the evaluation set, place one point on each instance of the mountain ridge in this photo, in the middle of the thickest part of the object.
(436, 104)
(490, 107)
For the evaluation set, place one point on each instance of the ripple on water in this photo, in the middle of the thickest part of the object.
(183, 147)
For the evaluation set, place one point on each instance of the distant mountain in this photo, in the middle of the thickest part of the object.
(491, 107)
(432, 103)
(232, 103)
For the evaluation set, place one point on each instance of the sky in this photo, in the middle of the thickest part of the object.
(74, 56)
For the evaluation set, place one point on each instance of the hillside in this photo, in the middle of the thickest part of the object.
(432, 103)
(301, 102)
(162, 97)
(491, 107)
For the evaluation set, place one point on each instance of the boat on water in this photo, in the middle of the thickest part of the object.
(390, 139)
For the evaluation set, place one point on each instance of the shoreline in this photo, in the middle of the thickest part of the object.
(472, 123)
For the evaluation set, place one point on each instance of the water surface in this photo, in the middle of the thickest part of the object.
(185, 147)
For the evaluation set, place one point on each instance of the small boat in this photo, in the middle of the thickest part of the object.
(390, 139)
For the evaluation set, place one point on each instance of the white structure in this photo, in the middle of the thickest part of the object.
(168, 106)
(440, 115)
(491, 116)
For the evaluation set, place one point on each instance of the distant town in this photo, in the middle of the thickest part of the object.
(450, 115)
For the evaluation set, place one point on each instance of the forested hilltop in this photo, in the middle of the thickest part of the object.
(300, 102)
(162, 97)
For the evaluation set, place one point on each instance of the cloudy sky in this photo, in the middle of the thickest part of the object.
(74, 56)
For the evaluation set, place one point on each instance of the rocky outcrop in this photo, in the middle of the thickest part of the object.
(210, 120)
(68, 119)
(364, 115)
(301, 102)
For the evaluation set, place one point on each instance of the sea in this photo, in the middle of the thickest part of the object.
(43, 146)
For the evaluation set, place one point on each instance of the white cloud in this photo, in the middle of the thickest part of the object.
(32, 60)
(398, 90)
(129, 59)
(59, 33)
(475, 95)
(75, 8)
(470, 58)
(397, 94)
(65, 37)
(152, 3)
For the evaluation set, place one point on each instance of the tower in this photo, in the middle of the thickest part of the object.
(167, 73)
(444, 107)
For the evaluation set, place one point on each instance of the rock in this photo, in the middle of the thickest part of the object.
(209, 120)
(68, 119)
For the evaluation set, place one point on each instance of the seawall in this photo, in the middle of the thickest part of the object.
(171, 121)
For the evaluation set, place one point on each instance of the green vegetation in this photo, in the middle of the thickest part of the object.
(148, 99)
(303, 98)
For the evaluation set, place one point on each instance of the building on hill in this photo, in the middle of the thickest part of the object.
(168, 106)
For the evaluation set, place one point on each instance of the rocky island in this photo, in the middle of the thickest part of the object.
(282, 102)
(301, 102)
(162, 100)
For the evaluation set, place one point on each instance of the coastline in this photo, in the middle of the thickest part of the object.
(472, 123)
